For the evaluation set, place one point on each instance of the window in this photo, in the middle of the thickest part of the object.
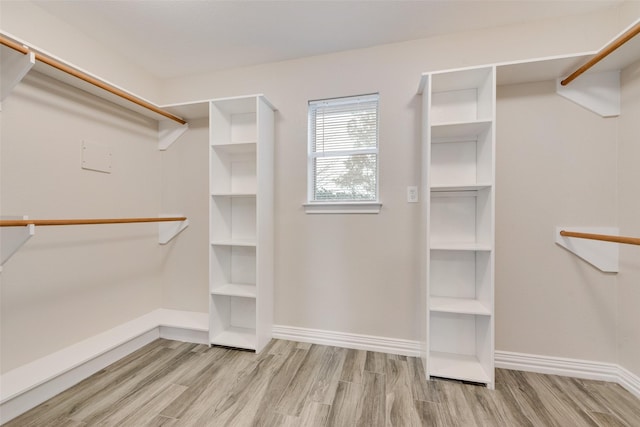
(343, 151)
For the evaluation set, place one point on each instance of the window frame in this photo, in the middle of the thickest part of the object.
(336, 205)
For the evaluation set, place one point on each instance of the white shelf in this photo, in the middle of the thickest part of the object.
(462, 187)
(236, 337)
(459, 247)
(458, 305)
(233, 194)
(459, 175)
(457, 366)
(235, 290)
(241, 212)
(234, 242)
(448, 132)
(460, 79)
(236, 147)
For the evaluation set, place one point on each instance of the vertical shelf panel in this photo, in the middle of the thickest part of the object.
(266, 220)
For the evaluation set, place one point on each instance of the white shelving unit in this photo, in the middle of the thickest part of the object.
(241, 222)
(459, 185)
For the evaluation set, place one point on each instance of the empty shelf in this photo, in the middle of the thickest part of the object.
(458, 305)
(459, 247)
(464, 187)
(457, 366)
(236, 337)
(233, 194)
(235, 290)
(459, 131)
(236, 148)
(234, 242)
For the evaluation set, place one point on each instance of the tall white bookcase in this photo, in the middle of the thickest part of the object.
(241, 222)
(459, 189)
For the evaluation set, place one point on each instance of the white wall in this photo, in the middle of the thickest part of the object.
(628, 286)
(185, 191)
(69, 283)
(556, 166)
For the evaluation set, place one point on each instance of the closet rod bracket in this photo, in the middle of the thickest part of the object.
(601, 254)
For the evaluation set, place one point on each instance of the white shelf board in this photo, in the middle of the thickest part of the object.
(443, 246)
(235, 290)
(457, 366)
(94, 90)
(236, 337)
(236, 148)
(233, 194)
(464, 187)
(541, 69)
(234, 242)
(447, 132)
(189, 110)
(620, 58)
(458, 305)
(237, 104)
(459, 79)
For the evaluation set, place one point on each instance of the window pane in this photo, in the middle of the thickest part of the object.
(345, 178)
(344, 127)
(343, 149)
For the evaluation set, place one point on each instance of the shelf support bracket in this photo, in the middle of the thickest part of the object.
(169, 132)
(597, 92)
(13, 238)
(602, 255)
(15, 65)
(170, 229)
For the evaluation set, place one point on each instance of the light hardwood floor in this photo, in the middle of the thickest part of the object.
(168, 383)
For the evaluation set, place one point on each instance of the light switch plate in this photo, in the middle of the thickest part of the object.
(412, 194)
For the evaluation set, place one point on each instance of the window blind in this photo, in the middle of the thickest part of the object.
(343, 149)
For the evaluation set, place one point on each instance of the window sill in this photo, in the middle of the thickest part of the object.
(343, 208)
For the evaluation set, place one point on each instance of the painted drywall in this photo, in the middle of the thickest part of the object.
(360, 273)
(556, 166)
(185, 191)
(36, 27)
(628, 286)
(69, 283)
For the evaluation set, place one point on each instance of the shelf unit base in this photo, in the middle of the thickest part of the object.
(458, 367)
(236, 337)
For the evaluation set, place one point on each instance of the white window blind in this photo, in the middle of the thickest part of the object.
(343, 149)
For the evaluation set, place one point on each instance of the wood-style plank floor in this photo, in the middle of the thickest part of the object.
(169, 383)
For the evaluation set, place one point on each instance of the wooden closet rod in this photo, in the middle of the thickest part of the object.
(92, 80)
(39, 222)
(603, 237)
(625, 37)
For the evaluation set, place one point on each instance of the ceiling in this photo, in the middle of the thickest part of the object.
(172, 38)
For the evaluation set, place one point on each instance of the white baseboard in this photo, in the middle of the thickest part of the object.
(576, 368)
(346, 340)
(29, 385)
(503, 359)
(630, 381)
